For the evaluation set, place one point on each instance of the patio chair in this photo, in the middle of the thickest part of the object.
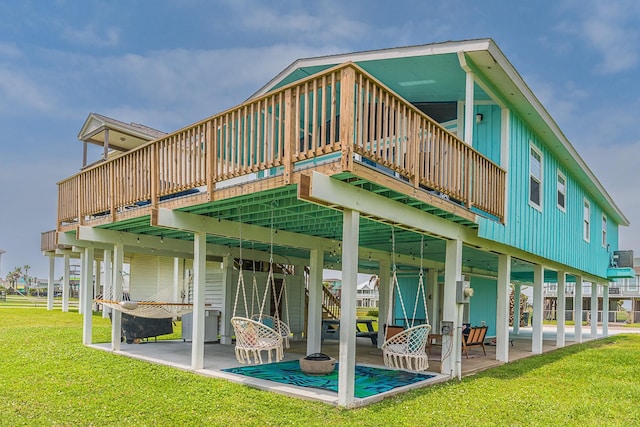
(475, 336)
(276, 324)
(252, 338)
(407, 349)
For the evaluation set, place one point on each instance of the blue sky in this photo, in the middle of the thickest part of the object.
(167, 64)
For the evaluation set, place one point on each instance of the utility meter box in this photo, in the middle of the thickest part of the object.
(464, 292)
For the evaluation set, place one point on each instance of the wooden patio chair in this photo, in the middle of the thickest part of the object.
(475, 336)
(407, 349)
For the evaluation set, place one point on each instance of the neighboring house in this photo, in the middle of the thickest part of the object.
(367, 294)
(623, 295)
(443, 142)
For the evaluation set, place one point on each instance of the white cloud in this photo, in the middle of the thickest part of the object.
(20, 92)
(611, 28)
(90, 36)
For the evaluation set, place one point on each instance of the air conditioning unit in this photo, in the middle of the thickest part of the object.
(623, 259)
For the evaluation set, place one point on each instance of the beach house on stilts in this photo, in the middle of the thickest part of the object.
(434, 167)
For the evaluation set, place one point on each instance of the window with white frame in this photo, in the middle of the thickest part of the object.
(604, 230)
(587, 221)
(535, 177)
(633, 285)
(561, 192)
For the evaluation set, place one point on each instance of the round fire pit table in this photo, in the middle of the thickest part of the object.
(317, 364)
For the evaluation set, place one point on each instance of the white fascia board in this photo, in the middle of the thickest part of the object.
(373, 55)
(533, 101)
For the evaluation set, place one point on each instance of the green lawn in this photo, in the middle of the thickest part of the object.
(47, 377)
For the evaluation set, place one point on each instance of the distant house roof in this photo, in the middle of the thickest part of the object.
(122, 136)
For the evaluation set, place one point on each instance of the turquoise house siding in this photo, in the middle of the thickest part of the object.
(486, 135)
(483, 305)
(549, 232)
(409, 287)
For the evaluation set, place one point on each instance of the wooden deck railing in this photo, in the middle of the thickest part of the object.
(48, 241)
(343, 109)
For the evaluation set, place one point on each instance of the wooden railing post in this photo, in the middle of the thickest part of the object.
(467, 176)
(154, 175)
(81, 179)
(210, 159)
(414, 141)
(347, 116)
(112, 192)
(290, 134)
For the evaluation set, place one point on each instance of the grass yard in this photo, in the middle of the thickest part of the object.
(47, 377)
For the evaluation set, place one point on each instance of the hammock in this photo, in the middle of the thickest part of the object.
(154, 307)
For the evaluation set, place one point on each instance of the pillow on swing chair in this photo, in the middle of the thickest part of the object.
(129, 305)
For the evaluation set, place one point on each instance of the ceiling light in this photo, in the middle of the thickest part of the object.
(416, 82)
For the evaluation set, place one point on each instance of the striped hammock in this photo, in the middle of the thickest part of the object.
(155, 307)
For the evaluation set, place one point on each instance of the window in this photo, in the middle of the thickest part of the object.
(535, 177)
(562, 192)
(587, 220)
(604, 230)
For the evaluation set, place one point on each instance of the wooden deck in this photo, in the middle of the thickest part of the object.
(272, 141)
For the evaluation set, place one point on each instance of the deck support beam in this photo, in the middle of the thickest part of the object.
(502, 308)
(50, 286)
(65, 282)
(593, 318)
(86, 295)
(538, 309)
(605, 310)
(108, 280)
(452, 311)
(346, 370)
(199, 273)
(314, 314)
(116, 315)
(577, 309)
(561, 307)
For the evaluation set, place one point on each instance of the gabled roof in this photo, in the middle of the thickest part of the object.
(122, 136)
(412, 72)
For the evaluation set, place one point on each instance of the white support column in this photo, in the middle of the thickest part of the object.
(65, 283)
(517, 288)
(199, 273)
(116, 315)
(577, 309)
(50, 286)
(96, 282)
(346, 370)
(452, 344)
(434, 300)
(229, 293)
(384, 274)
(502, 308)
(561, 307)
(87, 295)
(314, 309)
(468, 109)
(538, 309)
(108, 280)
(82, 284)
(605, 309)
(594, 310)
(178, 267)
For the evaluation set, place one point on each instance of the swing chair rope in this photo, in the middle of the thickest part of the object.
(240, 273)
(420, 291)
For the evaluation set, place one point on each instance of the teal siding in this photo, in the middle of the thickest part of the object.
(486, 135)
(549, 232)
(409, 288)
(483, 305)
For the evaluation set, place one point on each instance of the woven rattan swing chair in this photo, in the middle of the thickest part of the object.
(256, 333)
(407, 348)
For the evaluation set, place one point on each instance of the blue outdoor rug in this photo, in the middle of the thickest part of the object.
(369, 381)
